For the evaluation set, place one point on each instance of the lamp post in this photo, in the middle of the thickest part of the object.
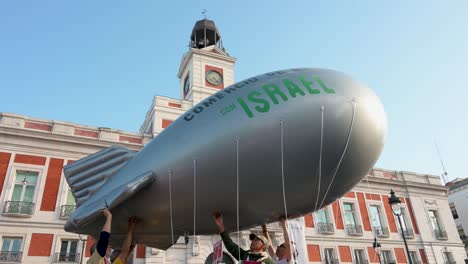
(395, 203)
(83, 241)
(378, 248)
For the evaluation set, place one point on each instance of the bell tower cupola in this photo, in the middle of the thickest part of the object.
(206, 68)
(205, 34)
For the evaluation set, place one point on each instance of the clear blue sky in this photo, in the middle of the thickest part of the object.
(99, 63)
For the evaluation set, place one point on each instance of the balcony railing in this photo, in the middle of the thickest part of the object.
(354, 230)
(10, 256)
(66, 211)
(408, 233)
(325, 228)
(440, 235)
(331, 261)
(381, 231)
(18, 208)
(66, 258)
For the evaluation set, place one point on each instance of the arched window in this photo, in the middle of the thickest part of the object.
(226, 259)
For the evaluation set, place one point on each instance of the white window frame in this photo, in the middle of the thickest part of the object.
(416, 254)
(406, 218)
(447, 250)
(357, 213)
(330, 218)
(383, 215)
(16, 235)
(335, 252)
(11, 181)
(441, 224)
(58, 243)
(366, 256)
(391, 253)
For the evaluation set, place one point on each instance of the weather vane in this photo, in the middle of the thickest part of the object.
(204, 13)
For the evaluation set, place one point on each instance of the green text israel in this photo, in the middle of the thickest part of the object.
(262, 99)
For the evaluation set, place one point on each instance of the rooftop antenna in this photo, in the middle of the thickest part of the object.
(204, 13)
(444, 175)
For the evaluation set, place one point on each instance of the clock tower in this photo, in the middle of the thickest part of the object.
(206, 67)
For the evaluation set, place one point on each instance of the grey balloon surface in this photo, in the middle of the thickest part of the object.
(319, 130)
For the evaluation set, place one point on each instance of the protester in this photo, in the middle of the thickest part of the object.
(257, 246)
(283, 254)
(102, 252)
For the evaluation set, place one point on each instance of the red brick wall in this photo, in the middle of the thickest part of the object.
(131, 139)
(372, 196)
(174, 105)
(350, 195)
(309, 220)
(41, 244)
(422, 253)
(345, 253)
(373, 257)
(4, 161)
(54, 173)
(400, 255)
(337, 215)
(28, 159)
(411, 213)
(364, 213)
(140, 251)
(38, 126)
(314, 252)
(166, 123)
(389, 213)
(85, 133)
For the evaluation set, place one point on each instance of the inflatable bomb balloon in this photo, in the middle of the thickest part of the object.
(314, 133)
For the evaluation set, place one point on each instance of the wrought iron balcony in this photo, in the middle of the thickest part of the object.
(354, 230)
(18, 208)
(450, 262)
(10, 256)
(66, 211)
(66, 258)
(331, 261)
(325, 228)
(416, 262)
(441, 235)
(381, 231)
(408, 233)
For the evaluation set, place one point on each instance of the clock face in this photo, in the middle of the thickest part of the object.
(186, 85)
(214, 78)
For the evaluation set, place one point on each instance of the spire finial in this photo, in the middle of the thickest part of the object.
(204, 13)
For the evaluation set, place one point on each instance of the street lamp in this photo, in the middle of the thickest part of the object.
(83, 241)
(378, 248)
(395, 203)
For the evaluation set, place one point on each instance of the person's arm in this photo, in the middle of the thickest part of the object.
(287, 241)
(231, 247)
(271, 249)
(103, 241)
(126, 246)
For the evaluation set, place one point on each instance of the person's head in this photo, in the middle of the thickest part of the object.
(281, 251)
(259, 243)
(108, 251)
